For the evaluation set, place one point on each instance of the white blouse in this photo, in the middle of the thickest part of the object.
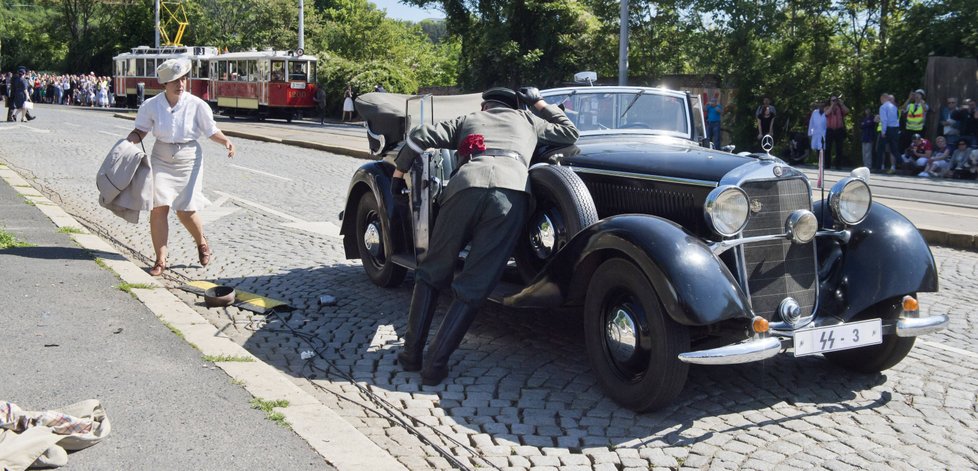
(190, 119)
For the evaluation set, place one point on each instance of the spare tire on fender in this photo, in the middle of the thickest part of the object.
(563, 208)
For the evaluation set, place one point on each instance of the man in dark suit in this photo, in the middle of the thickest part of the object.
(484, 204)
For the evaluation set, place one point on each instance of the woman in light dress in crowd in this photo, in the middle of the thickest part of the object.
(177, 120)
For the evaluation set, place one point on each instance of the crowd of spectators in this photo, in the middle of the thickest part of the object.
(67, 89)
(954, 152)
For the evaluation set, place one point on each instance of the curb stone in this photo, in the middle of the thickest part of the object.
(338, 442)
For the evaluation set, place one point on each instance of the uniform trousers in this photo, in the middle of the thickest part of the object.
(491, 219)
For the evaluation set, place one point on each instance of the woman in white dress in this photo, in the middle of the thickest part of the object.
(177, 119)
(348, 105)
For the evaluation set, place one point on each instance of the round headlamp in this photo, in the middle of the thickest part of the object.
(801, 226)
(727, 210)
(850, 200)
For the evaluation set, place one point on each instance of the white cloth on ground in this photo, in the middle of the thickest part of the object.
(43, 439)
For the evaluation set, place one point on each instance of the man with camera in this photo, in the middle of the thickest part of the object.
(835, 131)
(484, 204)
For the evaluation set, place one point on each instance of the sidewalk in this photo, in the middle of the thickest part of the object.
(70, 333)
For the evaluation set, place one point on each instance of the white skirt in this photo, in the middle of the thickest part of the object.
(348, 104)
(178, 176)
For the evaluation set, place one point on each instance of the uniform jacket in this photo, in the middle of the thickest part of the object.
(501, 128)
(125, 181)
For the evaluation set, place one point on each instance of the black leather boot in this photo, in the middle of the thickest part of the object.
(457, 321)
(423, 303)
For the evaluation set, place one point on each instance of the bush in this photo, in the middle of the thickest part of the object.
(335, 73)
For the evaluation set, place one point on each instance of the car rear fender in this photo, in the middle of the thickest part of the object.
(374, 177)
(694, 286)
(885, 257)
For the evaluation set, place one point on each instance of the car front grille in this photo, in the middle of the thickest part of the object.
(778, 269)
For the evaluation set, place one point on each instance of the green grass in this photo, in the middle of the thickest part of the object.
(28, 202)
(101, 264)
(128, 287)
(267, 406)
(237, 382)
(69, 230)
(7, 240)
(175, 330)
(228, 358)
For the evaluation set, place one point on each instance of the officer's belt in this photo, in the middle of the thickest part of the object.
(497, 153)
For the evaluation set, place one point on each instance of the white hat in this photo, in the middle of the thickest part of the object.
(173, 69)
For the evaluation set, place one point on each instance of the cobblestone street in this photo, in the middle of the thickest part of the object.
(520, 393)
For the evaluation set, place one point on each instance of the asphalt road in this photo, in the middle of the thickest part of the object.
(521, 394)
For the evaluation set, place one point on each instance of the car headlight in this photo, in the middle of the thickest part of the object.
(727, 209)
(850, 200)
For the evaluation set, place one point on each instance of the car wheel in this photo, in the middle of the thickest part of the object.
(876, 358)
(563, 208)
(374, 245)
(633, 345)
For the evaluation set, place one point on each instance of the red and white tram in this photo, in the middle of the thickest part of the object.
(139, 66)
(263, 83)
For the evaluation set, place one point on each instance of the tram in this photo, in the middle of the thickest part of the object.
(276, 84)
(139, 66)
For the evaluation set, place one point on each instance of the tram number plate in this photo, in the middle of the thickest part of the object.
(298, 85)
(838, 337)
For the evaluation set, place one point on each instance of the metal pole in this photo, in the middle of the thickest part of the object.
(623, 45)
(302, 41)
(157, 31)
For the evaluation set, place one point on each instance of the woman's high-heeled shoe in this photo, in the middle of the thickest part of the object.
(158, 268)
(204, 254)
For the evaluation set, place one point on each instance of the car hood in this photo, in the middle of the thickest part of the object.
(652, 155)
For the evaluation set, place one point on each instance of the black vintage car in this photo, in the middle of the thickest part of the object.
(677, 253)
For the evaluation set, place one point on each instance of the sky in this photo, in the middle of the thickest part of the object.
(399, 11)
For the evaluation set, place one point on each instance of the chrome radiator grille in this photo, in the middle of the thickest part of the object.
(778, 269)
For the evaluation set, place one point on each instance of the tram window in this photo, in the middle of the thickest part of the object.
(297, 70)
(232, 70)
(222, 70)
(131, 70)
(247, 71)
(263, 70)
(312, 72)
(200, 69)
(278, 71)
(140, 70)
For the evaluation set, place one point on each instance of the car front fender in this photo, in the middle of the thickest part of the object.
(694, 286)
(886, 256)
(373, 177)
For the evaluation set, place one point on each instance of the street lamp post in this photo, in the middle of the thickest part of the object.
(623, 45)
(157, 24)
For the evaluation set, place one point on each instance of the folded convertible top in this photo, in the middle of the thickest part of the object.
(386, 113)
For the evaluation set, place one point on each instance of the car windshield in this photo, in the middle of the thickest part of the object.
(642, 111)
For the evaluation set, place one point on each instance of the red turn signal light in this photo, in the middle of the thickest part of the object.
(759, 324)
(910, 304)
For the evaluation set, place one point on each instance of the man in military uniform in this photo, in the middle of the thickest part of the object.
(485, 203)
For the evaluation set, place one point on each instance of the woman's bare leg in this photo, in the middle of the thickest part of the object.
(191, 220)
(159, 230)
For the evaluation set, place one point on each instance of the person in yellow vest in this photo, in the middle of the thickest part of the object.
(915, 110)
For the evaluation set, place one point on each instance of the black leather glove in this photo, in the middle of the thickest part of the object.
(399, 190)
(529, 95)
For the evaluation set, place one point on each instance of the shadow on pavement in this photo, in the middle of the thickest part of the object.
(519, 376)
(63, 253)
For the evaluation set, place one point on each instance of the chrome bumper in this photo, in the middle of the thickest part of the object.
(763, 348)
(914, 326)
(745, 352)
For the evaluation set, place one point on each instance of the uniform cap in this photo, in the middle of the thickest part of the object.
(920, 91)
(21, 70)
(502, 95)
(173, 69)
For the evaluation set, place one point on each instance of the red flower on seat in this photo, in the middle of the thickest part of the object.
(471, 144)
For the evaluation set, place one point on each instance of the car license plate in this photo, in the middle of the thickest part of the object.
(838, 337)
